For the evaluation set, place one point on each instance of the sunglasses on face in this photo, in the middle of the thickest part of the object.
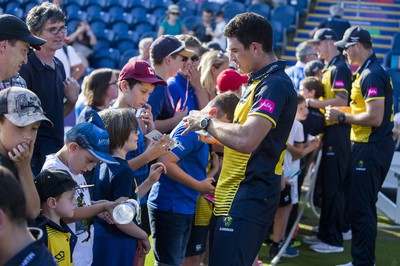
(174, 13)
(194, 58)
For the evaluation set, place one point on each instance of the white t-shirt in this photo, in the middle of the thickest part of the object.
(219, 31)
(72, 60)
(82, 254)
(289, 166)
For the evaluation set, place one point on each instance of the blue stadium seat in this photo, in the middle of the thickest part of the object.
(214, 6)
(102, 16)
(125, 45)
(159, 12)
(27, 7)
(100, 3)
(101, 44)
(105, 62)
(191, 21)
(16, 11)
(139, 14)
(67, 2)
(287, 15)
(132, 36)
(261, 9)
(72, 24)
(128, 18)
(187, 8)
(71, 9)
(97, 27)
(120, 26)
(279, 35)
(136, 3)
(158, 3)
(93, 10)
(395, 44)
(142, 28)
(149, 34)
(12, 6)
(301, 6)
(232, 9)
(128, 54)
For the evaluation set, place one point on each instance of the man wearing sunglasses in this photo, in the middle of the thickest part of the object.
(371, 120)
(185, 87)
(45, 75)
(336, 146)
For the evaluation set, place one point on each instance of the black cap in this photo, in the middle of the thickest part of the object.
(353, 35)
(312, 68)
(54, 182)
(12, 27)
(323, 34)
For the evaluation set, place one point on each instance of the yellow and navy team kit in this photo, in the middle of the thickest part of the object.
(372, 83)
(59, 239)
(249, 184)
(336, 78)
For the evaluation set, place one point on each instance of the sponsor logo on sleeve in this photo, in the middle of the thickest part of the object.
(267, 105)
(372, 92)
(339, 84)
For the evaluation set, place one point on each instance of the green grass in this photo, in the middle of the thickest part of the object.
(387, 247)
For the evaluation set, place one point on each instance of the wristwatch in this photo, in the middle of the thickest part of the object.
(205, 122)
(341, 118)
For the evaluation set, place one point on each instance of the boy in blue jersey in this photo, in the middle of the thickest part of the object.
(371, 120)
(172, 200)
(247, 193)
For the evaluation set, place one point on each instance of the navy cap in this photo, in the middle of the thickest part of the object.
(323, 34)
(353, 35)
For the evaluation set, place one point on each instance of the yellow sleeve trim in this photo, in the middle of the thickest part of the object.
(374, 99)
(266, 116)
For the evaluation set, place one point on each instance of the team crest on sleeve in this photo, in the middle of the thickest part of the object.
(266, 105)
(372, 92)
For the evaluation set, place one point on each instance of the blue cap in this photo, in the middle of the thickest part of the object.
(93, 137)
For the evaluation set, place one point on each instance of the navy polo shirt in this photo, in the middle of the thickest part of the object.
(47, 84)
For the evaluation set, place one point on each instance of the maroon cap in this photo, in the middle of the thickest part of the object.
(141, 71)
(230, 80)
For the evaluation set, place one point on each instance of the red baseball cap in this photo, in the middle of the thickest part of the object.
(230, 80)
(141, 71)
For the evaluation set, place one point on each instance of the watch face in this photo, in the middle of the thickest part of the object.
(204, 123)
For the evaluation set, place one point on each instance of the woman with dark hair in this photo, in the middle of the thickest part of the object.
(99, 88)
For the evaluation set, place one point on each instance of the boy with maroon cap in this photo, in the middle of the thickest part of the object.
(136, 82)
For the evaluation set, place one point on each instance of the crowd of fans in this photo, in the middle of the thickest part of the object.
(198, 112)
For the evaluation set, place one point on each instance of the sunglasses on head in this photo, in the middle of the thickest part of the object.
(194, 58)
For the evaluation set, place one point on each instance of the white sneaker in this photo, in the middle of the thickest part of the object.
(347, 235)
(315, 229)
(347, 264)
(311, 240)
(326, 248)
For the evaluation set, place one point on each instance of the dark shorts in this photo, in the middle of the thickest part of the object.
(285, 198)
(145, 224)
(236, 241)
(170, 232)
(197, 241)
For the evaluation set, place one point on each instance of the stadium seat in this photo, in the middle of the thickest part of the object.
(136, 3)
(395, 44)
(93, 10)
(142, 28)
(261, 9)
(72, 24)
(214, 6)
(12, 6)
(27, 7)
(187, 8)
(191, 21)
(97, 27)
(158, 3)
(125, 45)
(287, 15)
(102, 17)
(139, 14)
(120, 26)
(101, 44)
(301, 6)
(149, 34)
(105, 62)
(100, 3)
(128, 54)
(16, 11)
(279, 35)
(67, 2)
(232, 9)
(159, 11)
